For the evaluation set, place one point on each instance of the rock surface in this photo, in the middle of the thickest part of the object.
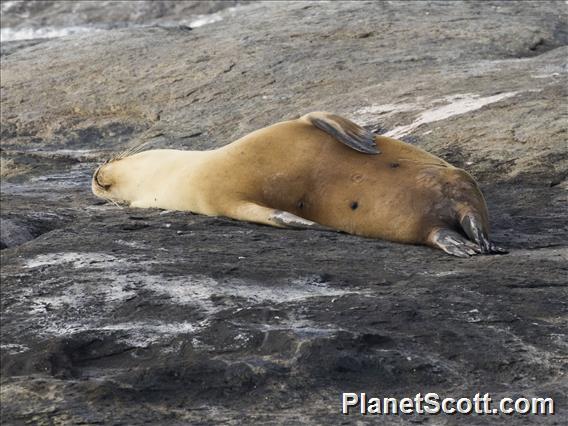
(47, 18)
(131, 316)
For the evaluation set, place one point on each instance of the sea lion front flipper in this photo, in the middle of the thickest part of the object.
(345, 131)
(290, 220)
(256, 213)
(453, 243)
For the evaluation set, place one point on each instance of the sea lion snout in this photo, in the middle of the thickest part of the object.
(101, 183)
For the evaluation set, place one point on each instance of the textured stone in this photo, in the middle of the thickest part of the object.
(112, 314)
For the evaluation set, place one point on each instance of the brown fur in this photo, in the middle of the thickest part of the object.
(402, 194)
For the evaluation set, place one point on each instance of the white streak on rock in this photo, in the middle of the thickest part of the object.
(458, 105)
(11, 34)
(7, 5)
(554, 74)
(201, 20)
(14, 348)
(79, 260)
(110, 282)
(158, 327)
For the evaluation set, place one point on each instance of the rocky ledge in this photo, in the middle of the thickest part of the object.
(128, 316)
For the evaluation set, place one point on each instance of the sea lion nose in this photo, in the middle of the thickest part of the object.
(97, 180)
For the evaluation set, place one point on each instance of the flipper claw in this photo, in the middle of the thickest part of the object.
(498, 250)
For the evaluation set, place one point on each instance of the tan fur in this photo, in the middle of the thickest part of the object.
(402, 194)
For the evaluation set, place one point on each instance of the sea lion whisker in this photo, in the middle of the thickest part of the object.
(133, 149)
(116, 203)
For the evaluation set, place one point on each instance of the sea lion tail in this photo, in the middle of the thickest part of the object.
(344, 131)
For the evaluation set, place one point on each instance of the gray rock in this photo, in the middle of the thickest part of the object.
(104, 14)
(123, 315)
(14, 233)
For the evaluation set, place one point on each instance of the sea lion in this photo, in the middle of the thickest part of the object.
(320, 170)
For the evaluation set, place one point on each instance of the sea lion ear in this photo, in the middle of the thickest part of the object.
(344, 131)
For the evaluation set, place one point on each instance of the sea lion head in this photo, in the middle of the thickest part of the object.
(104, 183)
(113, 180)
(118, 178)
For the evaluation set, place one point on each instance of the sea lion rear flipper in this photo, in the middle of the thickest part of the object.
(453, 243)
(473, 228)
(256, 213)
(345, 131)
